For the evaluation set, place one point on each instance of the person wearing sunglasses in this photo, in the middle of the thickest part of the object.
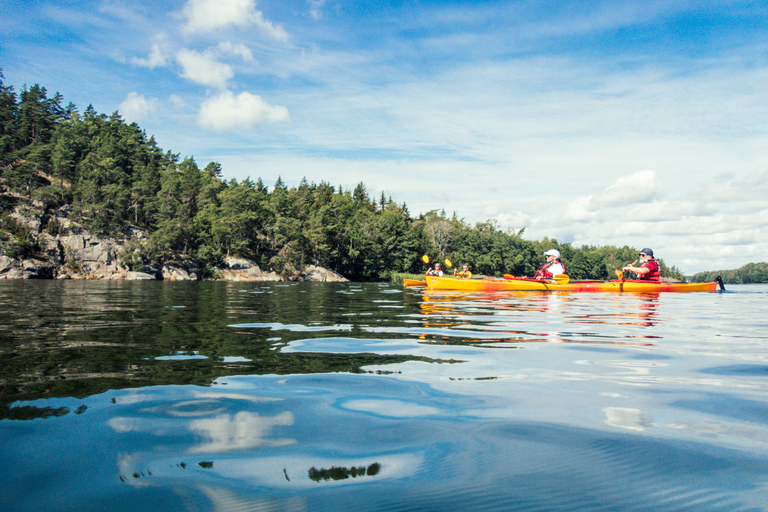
(465, 273)
(437, 271)
(648, 269)
(552, 267)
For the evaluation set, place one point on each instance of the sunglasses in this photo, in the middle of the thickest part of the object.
(643, 254)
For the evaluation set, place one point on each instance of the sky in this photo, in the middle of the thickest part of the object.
(593, 123)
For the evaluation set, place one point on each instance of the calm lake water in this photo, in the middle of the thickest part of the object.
(345, 396)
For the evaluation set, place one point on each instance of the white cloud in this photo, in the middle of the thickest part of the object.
(136, 107)
(154, 60)
(208, 15)
(227, 112)
(640, 187)
(315, 7)
(236, 49)
(203, 68)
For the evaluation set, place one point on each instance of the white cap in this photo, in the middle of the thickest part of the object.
(553, 252)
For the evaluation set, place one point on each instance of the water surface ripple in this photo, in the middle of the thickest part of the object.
(348, 396)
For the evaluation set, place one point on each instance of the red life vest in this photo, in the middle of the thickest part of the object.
(654, 274)
(544, 273)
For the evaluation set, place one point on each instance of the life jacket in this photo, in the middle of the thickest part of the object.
(654, 274)
(432, 272)
(467, 274)
(544, 272)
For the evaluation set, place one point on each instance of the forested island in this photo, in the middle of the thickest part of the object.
(67, 168)
(750, 273)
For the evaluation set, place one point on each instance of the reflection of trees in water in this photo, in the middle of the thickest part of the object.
(337, 473)
(82, 339)
(30, 412)
(205, 464)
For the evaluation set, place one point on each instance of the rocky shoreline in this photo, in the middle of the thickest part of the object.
(72, 252)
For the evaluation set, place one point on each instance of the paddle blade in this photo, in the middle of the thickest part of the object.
(508, 276)
(562, 279)
(620, 275)
(448, 262)
(425, 259)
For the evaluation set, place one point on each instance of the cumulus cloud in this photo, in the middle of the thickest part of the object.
(154, 59)
(640, 187)
(225, 47)
(203, 68)
(208, 15)
(136, 107)
(227, 112)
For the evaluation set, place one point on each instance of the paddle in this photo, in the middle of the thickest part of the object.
(425, 259)
(558, 279)
(448, 262)
(620, 273)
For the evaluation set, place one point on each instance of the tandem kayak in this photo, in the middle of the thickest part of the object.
(522, 283)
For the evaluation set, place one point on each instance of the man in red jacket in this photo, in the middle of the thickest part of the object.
(648, 269)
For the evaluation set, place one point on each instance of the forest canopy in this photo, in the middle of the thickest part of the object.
(111, 176)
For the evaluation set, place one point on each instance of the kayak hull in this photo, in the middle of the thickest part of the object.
(414, 282)
(503, 285)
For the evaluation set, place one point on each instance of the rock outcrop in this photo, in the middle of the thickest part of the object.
(320, 274)
(72, 252)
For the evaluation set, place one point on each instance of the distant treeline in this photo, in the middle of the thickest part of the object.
(111, 176)
(749, 273)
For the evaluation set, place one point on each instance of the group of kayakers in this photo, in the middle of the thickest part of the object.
(647, 271)
(438, 271)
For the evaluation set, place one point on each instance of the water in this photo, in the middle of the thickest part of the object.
(323, 396)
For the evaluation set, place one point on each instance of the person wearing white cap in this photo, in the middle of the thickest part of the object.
(552, 267)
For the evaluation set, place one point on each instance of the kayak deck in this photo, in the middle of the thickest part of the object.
(516, 284)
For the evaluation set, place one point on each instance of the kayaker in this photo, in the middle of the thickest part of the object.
(552, 267)
(649, 267)
(465, 273)
(437, 271)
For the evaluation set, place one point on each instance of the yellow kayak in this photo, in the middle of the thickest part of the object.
(521, 283)
(414, 282)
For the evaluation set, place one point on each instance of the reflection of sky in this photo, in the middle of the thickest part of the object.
(543, 425)
(240, 431)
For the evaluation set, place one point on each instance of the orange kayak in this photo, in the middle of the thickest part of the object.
(521, 283)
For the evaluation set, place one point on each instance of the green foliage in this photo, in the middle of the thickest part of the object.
(17, 240)
(114, 176)
(748, 274)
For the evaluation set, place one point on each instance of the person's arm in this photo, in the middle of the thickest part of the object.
(638, 270)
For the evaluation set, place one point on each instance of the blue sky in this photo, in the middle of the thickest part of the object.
(602, 123)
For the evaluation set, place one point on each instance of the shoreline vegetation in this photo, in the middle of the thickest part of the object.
(91, 196)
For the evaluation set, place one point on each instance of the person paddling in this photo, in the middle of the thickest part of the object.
(648, 269)
(465, 273)
(552, 267)
(437, 271)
